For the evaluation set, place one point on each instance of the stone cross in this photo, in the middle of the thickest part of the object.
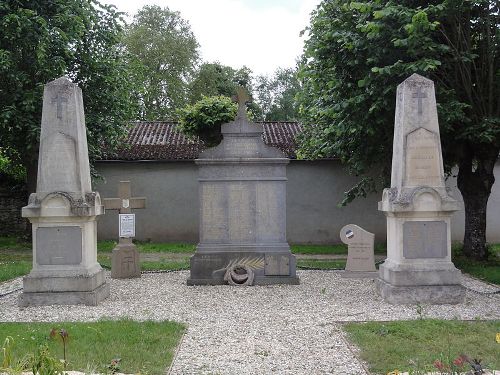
(124, 203)
(242, 98)
(59, 100)
(419, 95)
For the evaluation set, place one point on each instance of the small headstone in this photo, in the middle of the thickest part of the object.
(418, 207)
(360, 252)
(125, 256)
(63, 210)
(242, 210)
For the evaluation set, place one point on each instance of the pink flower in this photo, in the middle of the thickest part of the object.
(438, 364)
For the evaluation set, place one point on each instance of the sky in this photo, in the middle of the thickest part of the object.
(260, 34)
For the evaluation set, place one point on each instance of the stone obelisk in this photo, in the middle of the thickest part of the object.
(64, 208)
(418, 206)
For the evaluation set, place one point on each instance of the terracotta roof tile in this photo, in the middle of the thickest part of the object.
(162, 141)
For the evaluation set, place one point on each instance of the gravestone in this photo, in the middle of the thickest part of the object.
(360, 252)
(125, 256)
(64, 208)
(418, 207)
(242, 190)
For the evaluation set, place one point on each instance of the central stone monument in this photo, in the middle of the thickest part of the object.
(64, 208)
(242, 188)
(418, 206)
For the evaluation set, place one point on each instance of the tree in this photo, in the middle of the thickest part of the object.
(214, 79)
(166, 50)
(276, 95)
(356, 55)
(43, 40)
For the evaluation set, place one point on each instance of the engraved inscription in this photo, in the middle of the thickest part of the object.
(241, 213)
(241, 147)
(58, 171)
(59, 245)
(424, 239)
(422, 159)
(213, 214)
(270, 223)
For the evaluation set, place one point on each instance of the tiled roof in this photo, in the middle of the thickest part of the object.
(162, 141)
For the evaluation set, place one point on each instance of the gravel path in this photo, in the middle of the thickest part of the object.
(257, 330)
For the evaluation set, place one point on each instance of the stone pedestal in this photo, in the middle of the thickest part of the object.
(242, 187)
(63, 210)
(418, 206)
(125, 262)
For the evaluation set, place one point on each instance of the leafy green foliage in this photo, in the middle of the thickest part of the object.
(41, 41)
(276, 95)
(215, 79)
(357, 54)
(204, 118)
(166, 51)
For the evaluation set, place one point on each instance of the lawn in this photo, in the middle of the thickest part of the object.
(415, 345)
(143, 347)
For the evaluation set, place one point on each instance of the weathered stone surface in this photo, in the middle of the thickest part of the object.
(63, 210)
(242, 187)
(125, 262)
(418, 207)
(360, 251)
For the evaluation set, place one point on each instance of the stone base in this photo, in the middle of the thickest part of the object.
(41, 288)
(359, 274)
(209, 268)
(91, 298)
(125, 262)
(430, 294)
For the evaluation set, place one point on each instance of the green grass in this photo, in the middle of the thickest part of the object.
(105, 246)
(150, 247)
(144, 347)
(339, 249)
(11, 270)
(12, 243)
(396, 345)
(165, 264)
(488, 270)
(321, 264)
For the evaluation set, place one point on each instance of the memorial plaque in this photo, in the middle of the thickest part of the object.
(127, 225)
(213, 213)
(268, 202)
(241, 213)
(360, 248)
(59, 245)
(422, 159)
(424, 239)
(277, 265)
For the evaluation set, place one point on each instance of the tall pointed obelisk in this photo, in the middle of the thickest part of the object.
(63, 210)
(418, 207)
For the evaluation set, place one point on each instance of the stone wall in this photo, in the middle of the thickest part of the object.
(11, 202)
(313, 193)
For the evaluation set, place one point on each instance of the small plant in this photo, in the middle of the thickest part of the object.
(420, 311)
(114, 366)
(63, 334)
(42, 363)
(456, 366)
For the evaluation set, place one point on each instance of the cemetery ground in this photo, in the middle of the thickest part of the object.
(406, 338)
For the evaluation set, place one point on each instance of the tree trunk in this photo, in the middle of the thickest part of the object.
(475, 179)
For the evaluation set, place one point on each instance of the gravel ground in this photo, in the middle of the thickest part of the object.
(257, 330)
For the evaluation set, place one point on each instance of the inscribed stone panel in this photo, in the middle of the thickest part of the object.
(241, 212)
(59, 245)
(270, 220)
(424, 239)
(213, 213)
(422, 159)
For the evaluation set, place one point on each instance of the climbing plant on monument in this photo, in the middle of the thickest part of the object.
(356, 54)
